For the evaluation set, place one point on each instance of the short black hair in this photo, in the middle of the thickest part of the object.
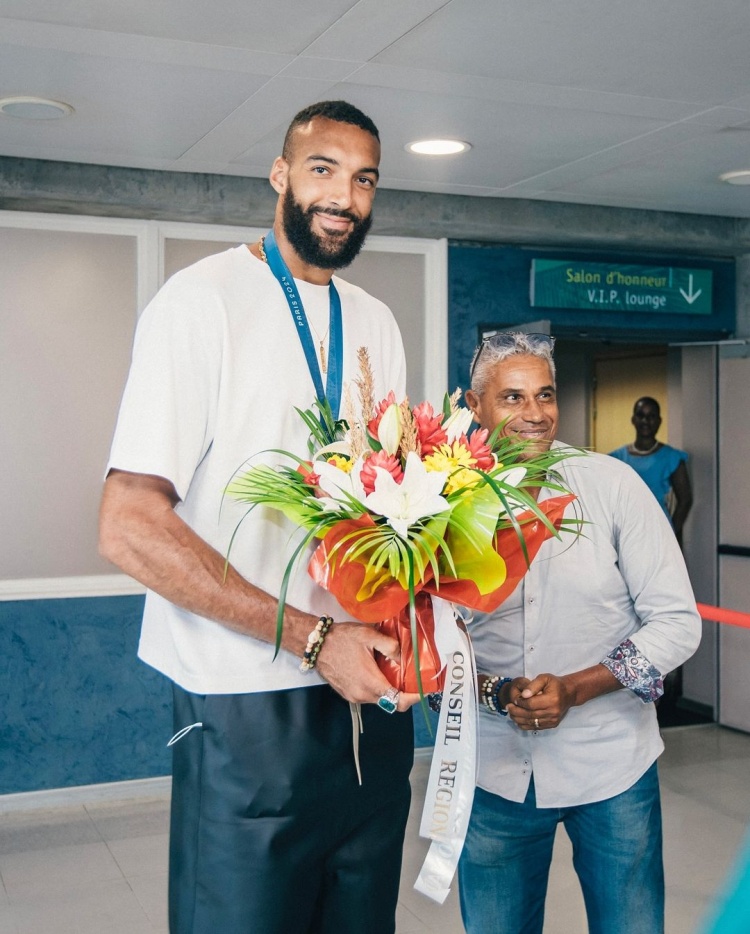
(340, 111)
(647, 400)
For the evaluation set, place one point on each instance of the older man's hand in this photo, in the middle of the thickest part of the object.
(543, 702)
(540, 704)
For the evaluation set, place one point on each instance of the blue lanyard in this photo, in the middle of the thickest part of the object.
(336, 340)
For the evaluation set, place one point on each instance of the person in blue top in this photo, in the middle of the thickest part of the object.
(662, 468)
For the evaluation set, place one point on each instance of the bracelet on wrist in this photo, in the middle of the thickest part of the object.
(315, 643)
(496, 696)
(490, 694)
(435, 701)
(486, 693)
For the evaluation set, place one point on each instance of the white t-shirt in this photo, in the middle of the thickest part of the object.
(217, 371)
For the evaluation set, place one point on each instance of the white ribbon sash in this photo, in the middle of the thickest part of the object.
(450, 788)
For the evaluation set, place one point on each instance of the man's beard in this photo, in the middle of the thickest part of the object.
(334, 253)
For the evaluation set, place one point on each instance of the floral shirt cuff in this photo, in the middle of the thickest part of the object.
(635, 671)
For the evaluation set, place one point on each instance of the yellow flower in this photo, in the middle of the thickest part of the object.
(453, 459)
(343, 463)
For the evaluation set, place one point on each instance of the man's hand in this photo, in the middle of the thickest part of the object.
(347, 663)
(543, 702)
(540, 704)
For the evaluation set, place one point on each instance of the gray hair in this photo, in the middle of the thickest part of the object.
(504, 344)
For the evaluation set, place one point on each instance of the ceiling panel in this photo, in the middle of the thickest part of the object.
(370, 26)
(76, 40)
(268, 109)
(633, 105)
(650, 145)
(481, 89)
(118, 109)
(662, 176)
(279, 26)
(665, 50)
(513, 137)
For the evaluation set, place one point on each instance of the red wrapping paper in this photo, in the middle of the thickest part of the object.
(388, 604)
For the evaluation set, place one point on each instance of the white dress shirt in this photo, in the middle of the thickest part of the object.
(621, 582)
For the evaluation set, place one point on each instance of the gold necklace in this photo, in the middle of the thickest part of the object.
(634, 450)
(321, 340)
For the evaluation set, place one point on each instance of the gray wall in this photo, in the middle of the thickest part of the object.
(67, 316)
(734, 530)
(72, 188)
(699, 432)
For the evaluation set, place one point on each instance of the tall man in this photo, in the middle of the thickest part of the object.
(271, 830)
(575, 659)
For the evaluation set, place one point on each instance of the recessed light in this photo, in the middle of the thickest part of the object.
(741, 177)
(34, 108)
(438, 147)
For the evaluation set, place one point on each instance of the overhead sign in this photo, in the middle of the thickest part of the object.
(560, 283)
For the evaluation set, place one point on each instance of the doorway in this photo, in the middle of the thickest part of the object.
(619, 379)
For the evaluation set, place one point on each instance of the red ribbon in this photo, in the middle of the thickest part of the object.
(718, 615)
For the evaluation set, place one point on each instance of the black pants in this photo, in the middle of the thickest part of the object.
(271, 832)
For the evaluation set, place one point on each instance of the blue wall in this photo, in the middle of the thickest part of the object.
(78, 708)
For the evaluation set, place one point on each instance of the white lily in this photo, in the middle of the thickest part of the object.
(389, 429)
(337, 447)
(457, 424)
(416, 497)
(339, 485)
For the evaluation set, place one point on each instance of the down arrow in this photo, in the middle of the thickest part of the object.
(690, 296)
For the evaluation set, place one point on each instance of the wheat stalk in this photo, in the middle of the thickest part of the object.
(365, 386)
(409, 437)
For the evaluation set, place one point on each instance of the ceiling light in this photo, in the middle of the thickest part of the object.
(741, 177)
(438, 147)
(34, 108)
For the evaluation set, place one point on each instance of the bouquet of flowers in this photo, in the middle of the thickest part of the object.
(406, 504)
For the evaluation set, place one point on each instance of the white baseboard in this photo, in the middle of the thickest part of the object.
(81, 795)
(41, 588)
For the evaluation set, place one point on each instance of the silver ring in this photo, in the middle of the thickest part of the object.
(536, 723)
(389, 701)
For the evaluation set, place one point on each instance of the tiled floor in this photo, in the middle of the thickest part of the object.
(99, 867)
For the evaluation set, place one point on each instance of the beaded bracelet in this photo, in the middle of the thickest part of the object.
(487, 698)
(315, 643)
(496, 696)
(491, 694)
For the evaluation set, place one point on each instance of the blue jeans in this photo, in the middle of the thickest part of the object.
(617, 854)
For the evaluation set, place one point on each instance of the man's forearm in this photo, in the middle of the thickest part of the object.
(589, 683)
(142, 535)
